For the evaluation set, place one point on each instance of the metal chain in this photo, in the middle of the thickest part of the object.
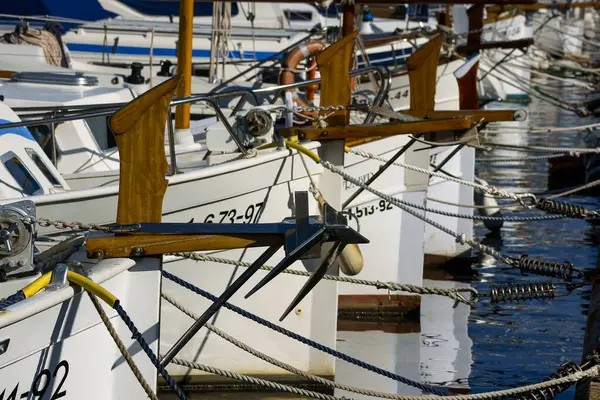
(528, 200)
(75, 226)
(324, 109)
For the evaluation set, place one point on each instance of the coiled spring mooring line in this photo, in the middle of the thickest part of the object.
(521, 291)
(565, 270)
(551, 392)
(562, 208)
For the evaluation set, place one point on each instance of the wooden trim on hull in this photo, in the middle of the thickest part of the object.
(357, 312)
(443, 268)
(224, 388)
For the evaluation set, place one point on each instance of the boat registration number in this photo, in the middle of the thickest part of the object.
(364, 211)
(399, 94)
(41, 384)
(249, 215)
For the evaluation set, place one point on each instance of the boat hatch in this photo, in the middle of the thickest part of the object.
(53, 78)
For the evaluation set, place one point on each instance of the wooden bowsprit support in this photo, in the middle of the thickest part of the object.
(353, 132)
(141, 125)
(334, 65)
(139, 128)
(422, 73)
(422, 66)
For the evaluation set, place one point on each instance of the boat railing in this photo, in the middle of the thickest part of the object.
(52, 115)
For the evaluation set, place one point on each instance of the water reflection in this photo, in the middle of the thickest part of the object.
(520, 343)
(497, 346)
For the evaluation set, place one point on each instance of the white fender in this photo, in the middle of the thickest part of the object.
(491, 207)
(351, 261)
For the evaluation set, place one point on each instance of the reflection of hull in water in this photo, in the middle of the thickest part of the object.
(399, 353)
(445, 344)
(439, 355)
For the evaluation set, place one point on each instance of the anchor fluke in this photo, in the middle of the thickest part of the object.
(333, 229)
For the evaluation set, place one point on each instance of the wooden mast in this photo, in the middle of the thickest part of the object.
(184, 62)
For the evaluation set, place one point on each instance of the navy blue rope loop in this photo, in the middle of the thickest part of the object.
(302, 339)
(138, 337)
(12, 299)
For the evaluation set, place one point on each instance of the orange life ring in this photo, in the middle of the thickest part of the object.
(291, 61)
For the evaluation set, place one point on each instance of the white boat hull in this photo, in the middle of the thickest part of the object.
(59, 347)
(503, 70)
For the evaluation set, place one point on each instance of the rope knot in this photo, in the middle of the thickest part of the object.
(381, 285)
(462, 238)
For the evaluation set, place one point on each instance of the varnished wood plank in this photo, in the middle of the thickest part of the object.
(422, 72)
(466, 76)
(334, 66)
(139, 130)
(124, 246)
(377, 131)
(475, 115)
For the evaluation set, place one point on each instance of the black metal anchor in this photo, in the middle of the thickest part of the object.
(303, 237)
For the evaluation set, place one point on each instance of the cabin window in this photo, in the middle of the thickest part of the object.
(101, 132)
(293, 15)
(43, 135)
(43, 167)
(23, 177)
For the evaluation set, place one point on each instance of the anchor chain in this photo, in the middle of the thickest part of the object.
(75, 226)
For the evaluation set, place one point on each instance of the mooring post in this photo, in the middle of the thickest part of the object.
(590, 389)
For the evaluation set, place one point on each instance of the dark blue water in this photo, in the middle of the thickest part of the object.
(521, 343)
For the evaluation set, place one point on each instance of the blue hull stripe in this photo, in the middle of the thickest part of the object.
(19, 131)
(384, 57)
(159, 52)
